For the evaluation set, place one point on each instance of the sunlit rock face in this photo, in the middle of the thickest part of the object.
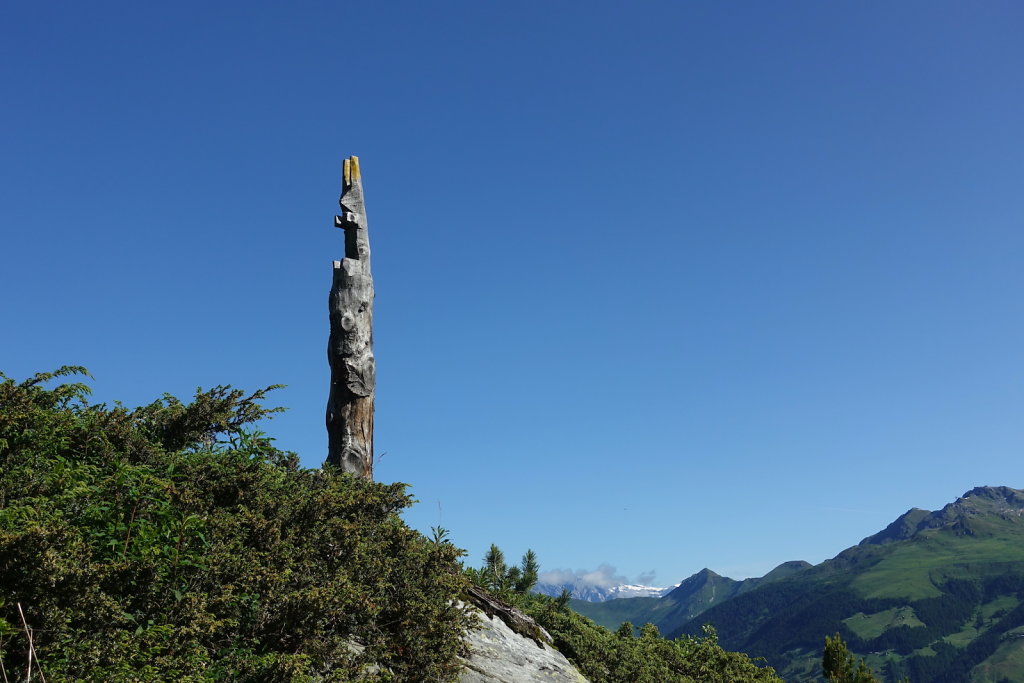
(500, 655)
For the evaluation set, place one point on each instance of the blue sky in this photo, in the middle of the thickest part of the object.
(663, 286)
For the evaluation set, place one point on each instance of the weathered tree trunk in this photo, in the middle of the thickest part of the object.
(350, 349)
(513, 618)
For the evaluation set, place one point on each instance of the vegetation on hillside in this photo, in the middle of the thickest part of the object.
(613, 613)
(936, 597)
(682, 605)
(621, 657)
(839, 666)
(173, 542)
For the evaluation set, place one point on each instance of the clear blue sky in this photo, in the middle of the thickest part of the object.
(661, 285)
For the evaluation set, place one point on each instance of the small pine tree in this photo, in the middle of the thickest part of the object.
(839, 666)
(512, 579)
(494, 568)
(562, 601)
(649, 632)
(529, 570)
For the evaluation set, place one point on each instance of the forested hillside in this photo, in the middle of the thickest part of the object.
(175, 542)
(684, 603)
(936, 596)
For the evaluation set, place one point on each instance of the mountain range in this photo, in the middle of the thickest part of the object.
(935, 596)
(588, 592)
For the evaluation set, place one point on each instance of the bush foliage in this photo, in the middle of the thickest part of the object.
(175, 542)
(620, 657)
(606, 657)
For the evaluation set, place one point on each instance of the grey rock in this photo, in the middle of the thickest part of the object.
(500, 655)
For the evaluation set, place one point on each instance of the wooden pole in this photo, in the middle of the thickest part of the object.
(350, 348)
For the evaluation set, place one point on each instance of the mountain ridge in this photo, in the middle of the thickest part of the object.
(594, 593)
(687, 600)
(980, 500)
(936, 595)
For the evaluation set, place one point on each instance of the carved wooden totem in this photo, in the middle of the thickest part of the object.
(350, 348)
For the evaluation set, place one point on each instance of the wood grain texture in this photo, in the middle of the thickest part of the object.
(350, 347)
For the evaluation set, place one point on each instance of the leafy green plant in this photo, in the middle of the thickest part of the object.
(838, 664)
(511, 584)
(606, 657)
(176, 542)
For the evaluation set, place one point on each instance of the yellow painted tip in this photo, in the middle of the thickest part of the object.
(347, 172)
(355, 168)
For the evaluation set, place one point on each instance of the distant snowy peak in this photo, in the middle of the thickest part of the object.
(635, 591)
(592, 593)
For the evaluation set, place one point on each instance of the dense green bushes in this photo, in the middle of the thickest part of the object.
(840, 666)
(170, 543)
(606, 657)
(175, 542)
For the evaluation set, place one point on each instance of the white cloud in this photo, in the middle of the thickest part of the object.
(603, 577)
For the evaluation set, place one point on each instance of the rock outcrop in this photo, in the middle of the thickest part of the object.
(500, 655)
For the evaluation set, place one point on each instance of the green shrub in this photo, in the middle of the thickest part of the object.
(510, 584)
(173, 542)
(606, 657)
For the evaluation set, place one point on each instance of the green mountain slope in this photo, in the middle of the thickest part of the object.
(691, 598)
(612, 613)
(936, 596)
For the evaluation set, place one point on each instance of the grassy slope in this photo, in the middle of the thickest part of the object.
(869, 626)
(908, 570)
(1006, 663)
(867, 591)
